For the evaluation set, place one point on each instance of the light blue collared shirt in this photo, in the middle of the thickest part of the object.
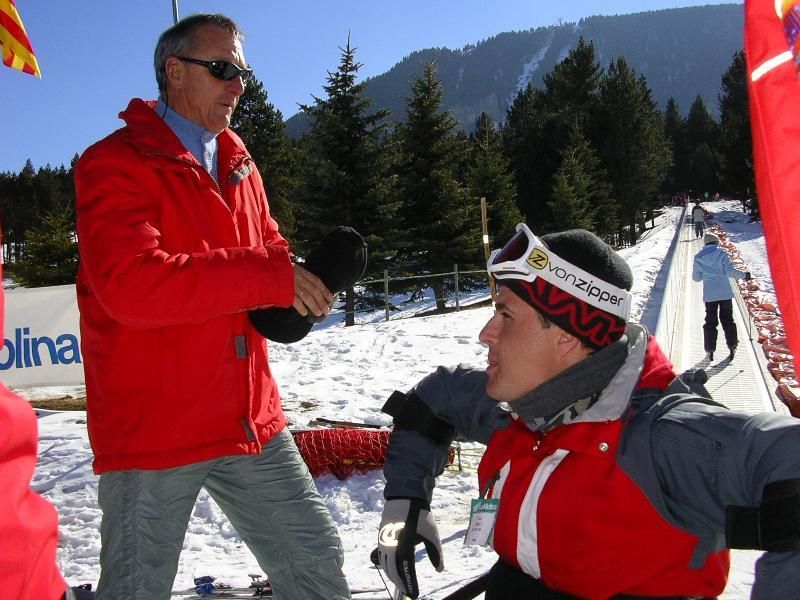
(197, 140)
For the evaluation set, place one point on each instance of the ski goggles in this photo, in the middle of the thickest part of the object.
(527, 257)
(220, 69)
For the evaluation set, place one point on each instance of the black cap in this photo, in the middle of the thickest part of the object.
(583, 249)
(587, 251)
(339, 260)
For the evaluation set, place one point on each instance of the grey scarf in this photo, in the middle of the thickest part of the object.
(561, 399)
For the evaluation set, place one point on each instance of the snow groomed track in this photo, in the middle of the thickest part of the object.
(741, 384)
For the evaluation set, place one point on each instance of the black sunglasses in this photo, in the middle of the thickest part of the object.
(221, 69)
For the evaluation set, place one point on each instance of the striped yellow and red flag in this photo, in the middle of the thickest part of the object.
(14, 42)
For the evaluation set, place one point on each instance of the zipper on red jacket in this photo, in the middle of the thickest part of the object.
(235, 176)
(194, 165)
(240, 341)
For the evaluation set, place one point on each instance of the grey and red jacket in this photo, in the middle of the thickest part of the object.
(630, 498)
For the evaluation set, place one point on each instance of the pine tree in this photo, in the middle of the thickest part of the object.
(579, 197)
(540, 123)
(701, 126)
(262, 129)
(51, 251)
(488, 176)
(22, 211)
(569, 206)
(737, 142)
(674, 129)
(703, 140)
(634, 148)
(524, 144)
(344, 168)
(572, 86)
(8, 188)
(703, 170)
(442, 225)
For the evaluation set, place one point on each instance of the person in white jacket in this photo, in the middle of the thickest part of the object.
(714, 267)
(699, 219)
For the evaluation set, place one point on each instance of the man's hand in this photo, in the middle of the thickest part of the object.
(405, 523)
(310, 294)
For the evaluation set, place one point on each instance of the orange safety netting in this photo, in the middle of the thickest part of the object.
(771, 331)
(343, 451)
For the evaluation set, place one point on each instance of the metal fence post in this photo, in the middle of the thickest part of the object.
(486, 251)
(386, 291)
(455, 271)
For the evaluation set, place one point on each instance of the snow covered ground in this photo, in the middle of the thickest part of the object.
(347, 374)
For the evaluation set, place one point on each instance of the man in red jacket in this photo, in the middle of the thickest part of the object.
(604, 475)
(177, 245)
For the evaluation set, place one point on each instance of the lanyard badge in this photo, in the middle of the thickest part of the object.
(482, 517)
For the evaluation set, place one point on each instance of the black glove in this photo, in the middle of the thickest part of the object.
(405, 523)
(339, 260)
(747, 276)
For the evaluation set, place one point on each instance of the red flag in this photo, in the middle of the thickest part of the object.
(772, 41)
(14, 42)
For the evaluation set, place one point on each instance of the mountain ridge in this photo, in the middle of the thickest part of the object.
(682, 52)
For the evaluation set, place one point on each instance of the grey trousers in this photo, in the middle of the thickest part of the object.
(270, 500)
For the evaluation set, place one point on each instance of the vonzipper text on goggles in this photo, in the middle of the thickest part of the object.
(527, 257)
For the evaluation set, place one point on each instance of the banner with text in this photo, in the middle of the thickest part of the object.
(42, 339)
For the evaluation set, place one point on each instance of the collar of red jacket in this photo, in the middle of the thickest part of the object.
(657, 371)
(152, 135)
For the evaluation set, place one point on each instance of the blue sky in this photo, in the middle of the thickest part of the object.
(97, 54)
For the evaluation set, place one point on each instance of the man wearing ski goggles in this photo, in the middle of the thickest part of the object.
(526, 258)
(594, 481)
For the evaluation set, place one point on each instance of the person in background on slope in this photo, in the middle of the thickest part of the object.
(28, 522)
(714, 267)
(177, 244)
(699, 219)
(604, 475)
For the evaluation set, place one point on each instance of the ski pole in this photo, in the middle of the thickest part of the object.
(467, 592)
(470, 590)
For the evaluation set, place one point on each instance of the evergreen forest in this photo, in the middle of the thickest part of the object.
(588, 148)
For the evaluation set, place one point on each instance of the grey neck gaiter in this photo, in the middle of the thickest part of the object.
(577, 387)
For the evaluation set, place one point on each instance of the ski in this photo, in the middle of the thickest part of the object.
(258, 588)
(232, 592)
(205, 587)
(240, 592)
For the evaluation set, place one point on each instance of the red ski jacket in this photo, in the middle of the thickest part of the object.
(28, 523)
(629, 496)
(171, 261)
(570, 516)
